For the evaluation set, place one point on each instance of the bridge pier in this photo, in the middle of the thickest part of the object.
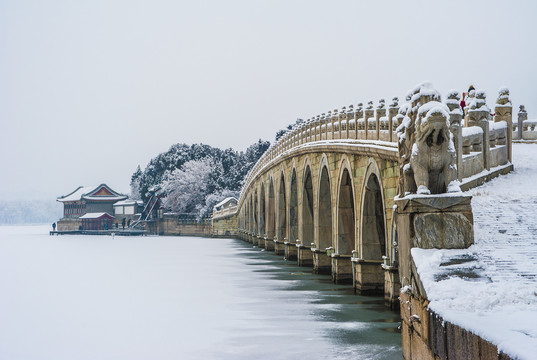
(322, 263)
(392, 286)
(279, 246)
(341, 269)
(367, 276)
(268, 244)
(290, 251)
(428, 222)
(260, 242)
(304, 255)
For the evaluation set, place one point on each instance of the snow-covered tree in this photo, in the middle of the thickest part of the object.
(212, 199)
(186, 188)
(135, 184)
(172, 169)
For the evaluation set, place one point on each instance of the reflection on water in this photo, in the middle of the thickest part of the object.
(97, 297)
(313, 311)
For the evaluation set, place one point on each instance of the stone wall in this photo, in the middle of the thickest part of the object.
(225, 226)
(173, 227)
(68, 224)
(425, 335)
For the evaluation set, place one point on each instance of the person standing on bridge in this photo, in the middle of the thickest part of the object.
(463, 103)
(53, 226)
(465, 96)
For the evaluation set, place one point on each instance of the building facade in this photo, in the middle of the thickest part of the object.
(86, 202)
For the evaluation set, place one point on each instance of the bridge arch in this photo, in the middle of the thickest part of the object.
(248, 223)
(293, 206)
(281, 226)
(346, 214)
(307, 205)
(324, 233)
(373, 234)
(271, 211)
(256, 212)
(262, 210)
(252, 214)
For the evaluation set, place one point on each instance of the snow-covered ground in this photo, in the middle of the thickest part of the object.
(491, 288)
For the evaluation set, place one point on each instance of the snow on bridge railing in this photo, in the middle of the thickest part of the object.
(380, 123)
(225, 212)
(524, 129)
(333, 125)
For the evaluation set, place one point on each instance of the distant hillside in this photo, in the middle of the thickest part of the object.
(30, 212)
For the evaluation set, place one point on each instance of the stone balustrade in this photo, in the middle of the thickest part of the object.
(485, 141)
(524, 128)
(224, 212)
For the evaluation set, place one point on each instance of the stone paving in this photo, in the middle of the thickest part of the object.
(505, 220)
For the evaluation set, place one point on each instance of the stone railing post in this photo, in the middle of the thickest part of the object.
(358, 114)
(484, 124)
(393, 109)
(522, 116)
(313, 129)
(368, 113)
(478, 116)
(311, 123)
(342, 116)
(335, 116)
(455, 119)
(320, 125)
(349, 117)
(381, 112)
(504, 112)
(327, 119)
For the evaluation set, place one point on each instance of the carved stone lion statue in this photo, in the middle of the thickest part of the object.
(430, 167)
(433, 154)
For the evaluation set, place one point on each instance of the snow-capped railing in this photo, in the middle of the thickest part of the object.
(336, 124)
(524, 129)
(349, 123)
(225, 212)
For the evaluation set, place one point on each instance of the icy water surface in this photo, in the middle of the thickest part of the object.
(98, 297)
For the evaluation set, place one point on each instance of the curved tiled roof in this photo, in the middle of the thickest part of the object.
(89, 193)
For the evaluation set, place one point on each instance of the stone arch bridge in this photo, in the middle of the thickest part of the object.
(324, 193)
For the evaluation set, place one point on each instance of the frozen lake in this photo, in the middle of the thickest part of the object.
(98, 297)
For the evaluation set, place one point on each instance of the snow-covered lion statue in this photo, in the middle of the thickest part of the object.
(426, 147)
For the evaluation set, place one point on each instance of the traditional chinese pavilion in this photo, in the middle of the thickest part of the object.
(89, 203)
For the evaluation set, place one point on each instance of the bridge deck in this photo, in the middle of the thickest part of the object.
(491, 288)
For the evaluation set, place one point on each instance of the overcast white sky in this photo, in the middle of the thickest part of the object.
(91, 89)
